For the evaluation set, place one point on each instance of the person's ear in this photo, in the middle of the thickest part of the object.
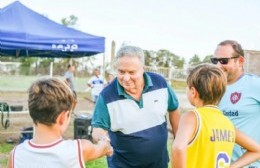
(241, 60)
(194, 92)
(143, 69)
(63, 116)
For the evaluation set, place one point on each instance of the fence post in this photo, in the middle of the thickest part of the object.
(51, 69)
(170, 74)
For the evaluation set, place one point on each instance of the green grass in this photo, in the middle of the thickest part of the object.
(4, 153)
(6, 148)
(99, 163)
(22, 83)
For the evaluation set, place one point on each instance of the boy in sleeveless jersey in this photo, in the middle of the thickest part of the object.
(205, 137)
(51, 103)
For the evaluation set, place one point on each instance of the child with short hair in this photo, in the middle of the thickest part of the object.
(51, 103)
(205, 137)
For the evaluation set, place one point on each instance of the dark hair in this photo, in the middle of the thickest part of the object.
(48, 98)
(235, 45)
(209, 81)
(68, 66)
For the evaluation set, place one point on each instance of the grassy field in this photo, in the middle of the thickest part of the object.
(22, 83)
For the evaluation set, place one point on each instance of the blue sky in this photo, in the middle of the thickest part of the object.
(185, 27)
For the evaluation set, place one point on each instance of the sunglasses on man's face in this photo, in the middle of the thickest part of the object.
(223, 61)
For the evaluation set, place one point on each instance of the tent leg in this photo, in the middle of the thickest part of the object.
(51, 69)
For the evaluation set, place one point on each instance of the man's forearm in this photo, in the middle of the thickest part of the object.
(98, 134)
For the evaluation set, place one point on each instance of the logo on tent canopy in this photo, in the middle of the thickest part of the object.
(65, 47)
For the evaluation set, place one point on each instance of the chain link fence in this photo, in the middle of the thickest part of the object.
(169, 73)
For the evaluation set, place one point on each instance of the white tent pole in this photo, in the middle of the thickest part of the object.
(51, 69)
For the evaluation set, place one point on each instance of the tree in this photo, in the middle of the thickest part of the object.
(43, 64)
(163, 58)
(25, 67)
(70, 21)
(150, 58)
(207, 59)
(180, 63)
(61, 65)
(195, 60)
(86, 64)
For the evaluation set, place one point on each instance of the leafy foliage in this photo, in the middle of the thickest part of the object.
(25, 63)
(41, 65)
(195, 60)
(207, 59)
(69, 21)
(163, 58)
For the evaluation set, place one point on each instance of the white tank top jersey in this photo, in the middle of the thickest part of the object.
(58, 154)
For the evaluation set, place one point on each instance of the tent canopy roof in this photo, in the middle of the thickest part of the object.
(24, 32)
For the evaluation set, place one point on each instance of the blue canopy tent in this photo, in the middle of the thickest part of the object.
(25, 33)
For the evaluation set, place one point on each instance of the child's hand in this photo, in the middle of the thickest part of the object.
(110, 151)
(107, 147)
